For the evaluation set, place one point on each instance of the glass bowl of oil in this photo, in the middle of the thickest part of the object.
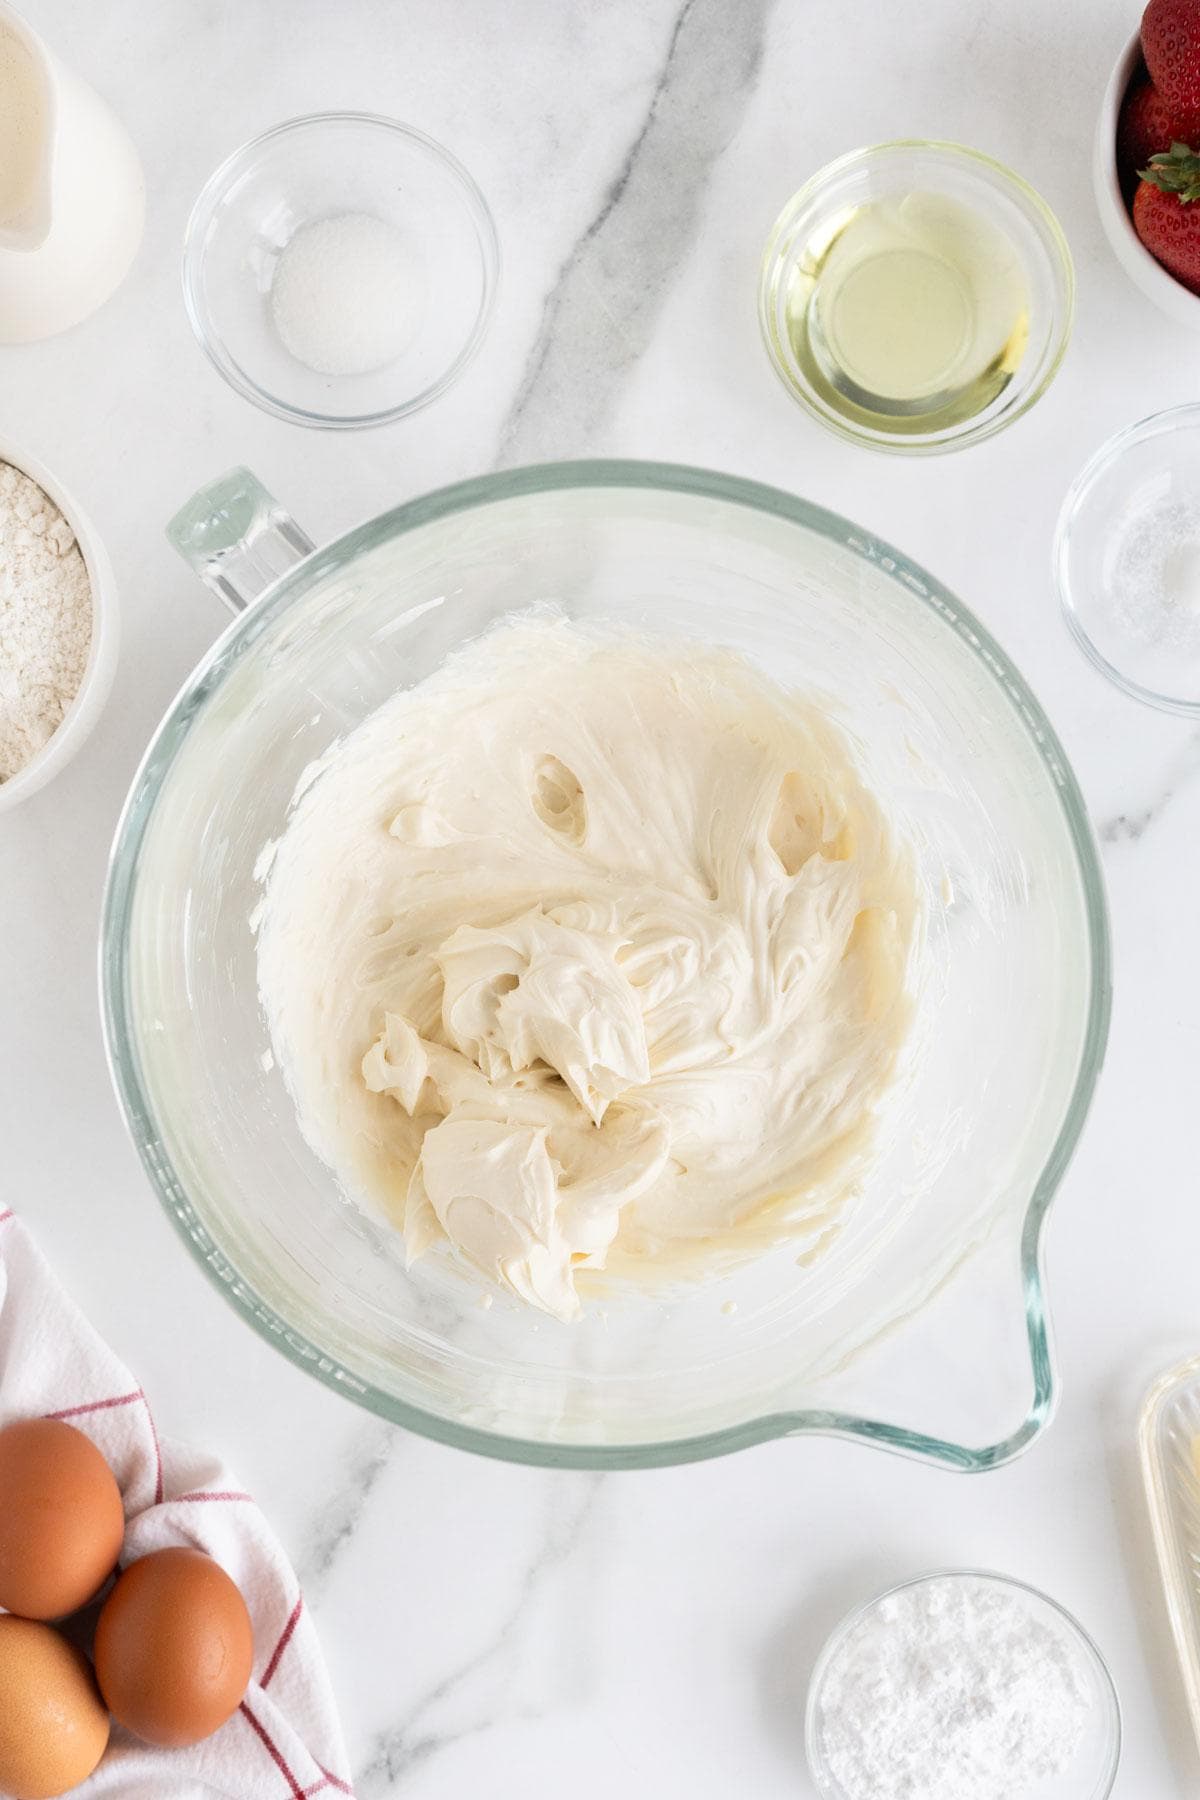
(916, 296)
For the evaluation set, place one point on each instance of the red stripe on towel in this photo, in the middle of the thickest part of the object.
(273, 1751)
(284, 1639)
(328, 1780)
(91, 1406)
(158, 1474)
(213, 1494)
(343, 1787)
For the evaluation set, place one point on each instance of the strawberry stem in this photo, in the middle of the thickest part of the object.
(1175, 171)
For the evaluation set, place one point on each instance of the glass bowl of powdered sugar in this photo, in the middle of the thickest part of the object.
(340, 270)
(962, 1686)
(1127, 560)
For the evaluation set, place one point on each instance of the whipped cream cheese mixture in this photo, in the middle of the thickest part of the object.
(591, 950)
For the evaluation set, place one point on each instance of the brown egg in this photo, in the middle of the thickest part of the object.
(53, 1725)
(62, 1519)
(174, 1647)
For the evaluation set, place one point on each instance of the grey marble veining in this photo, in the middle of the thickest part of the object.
(461, 1703)
(1129, 827)
(601, 312)
(334, 1526)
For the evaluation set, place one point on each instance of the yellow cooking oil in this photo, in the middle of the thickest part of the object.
(908, 314)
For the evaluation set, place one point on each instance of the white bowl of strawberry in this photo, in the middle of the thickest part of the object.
(1146, 164)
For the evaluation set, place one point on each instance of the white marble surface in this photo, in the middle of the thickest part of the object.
(493, 1629)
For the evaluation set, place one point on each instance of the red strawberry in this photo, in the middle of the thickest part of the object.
(1171, 46)
(1146, 126)
(1166, 213)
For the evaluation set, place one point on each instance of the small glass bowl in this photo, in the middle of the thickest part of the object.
(316, 168)
(1095, 1769)
(985, 188)
(1130, 589)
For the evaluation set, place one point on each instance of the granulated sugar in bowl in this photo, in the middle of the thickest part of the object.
(340, 298)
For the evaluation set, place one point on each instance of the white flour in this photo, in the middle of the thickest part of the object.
(953, 1689)
(45, 619)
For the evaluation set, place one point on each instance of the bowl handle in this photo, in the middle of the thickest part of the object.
(237, 538)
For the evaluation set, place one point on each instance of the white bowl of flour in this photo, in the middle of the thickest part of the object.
(58, 627)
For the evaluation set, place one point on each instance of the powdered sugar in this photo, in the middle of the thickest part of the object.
(952, 1688)
(45, 619)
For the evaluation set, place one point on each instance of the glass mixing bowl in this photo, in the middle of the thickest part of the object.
(921, 1324)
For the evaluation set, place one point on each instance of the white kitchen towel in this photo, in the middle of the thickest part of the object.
(284, 1742)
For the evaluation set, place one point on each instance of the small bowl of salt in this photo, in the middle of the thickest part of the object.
(1127, 560)
(340, 270)
(962, 1684)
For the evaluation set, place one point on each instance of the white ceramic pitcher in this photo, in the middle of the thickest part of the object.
(72, 194)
